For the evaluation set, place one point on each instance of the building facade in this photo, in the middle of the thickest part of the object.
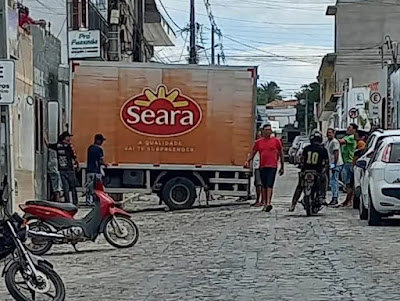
(129, 30)
(361, 30)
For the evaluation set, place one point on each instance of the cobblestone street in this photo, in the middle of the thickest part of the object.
(239, 253)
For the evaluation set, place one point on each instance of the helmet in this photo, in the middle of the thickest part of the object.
(316, 137)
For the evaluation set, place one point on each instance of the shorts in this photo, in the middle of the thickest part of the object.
(268, 175)
(257, 178)
(348, 174)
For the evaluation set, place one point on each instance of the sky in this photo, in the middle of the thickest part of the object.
(285, 38)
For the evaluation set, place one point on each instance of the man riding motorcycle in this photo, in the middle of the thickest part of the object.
(315, 157)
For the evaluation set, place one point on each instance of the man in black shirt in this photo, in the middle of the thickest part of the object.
(315, 157)
(66, 158)
(95, 160)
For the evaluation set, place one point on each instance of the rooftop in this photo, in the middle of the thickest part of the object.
(282, 104)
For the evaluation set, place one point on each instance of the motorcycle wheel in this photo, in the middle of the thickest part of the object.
(50, 281)
(33, 245)
(116, 235)
(307, 205)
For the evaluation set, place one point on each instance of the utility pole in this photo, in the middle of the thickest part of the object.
(3, 30)
(306, 113)
(212, 45)
(193, 52)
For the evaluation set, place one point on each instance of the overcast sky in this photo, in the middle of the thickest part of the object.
(286, 38)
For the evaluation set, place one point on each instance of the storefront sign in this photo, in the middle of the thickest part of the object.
(7, 82)
(83, 44)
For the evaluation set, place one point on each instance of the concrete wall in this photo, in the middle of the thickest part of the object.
(23, 122)
(361, 27)
(46, 60)
(327, 82)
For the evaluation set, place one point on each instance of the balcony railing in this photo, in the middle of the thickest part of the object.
(84, 15)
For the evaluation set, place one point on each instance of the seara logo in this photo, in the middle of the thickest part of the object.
(161, 114)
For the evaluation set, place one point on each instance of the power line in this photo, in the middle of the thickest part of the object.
(259, 22)
(215, 29)
(47, 7)
(62, 26)
(184, 45)
(261, 50)
(169, 16)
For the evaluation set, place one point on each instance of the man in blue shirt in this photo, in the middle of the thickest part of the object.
(95, 160)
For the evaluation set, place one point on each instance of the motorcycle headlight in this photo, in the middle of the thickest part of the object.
(309, 177)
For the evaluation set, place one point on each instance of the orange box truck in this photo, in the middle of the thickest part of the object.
(169, 128)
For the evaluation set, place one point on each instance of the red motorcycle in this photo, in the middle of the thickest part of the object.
(54, 223)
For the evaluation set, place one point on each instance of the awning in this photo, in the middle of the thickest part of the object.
(157, 31)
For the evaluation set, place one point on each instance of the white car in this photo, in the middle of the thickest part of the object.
(295, 147)
(370, 148)
(380, 188)
(299, 153)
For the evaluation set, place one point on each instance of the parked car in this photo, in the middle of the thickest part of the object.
(340, 133)
(370, 148)
(380, 188)
(299, 152)
(295, 146)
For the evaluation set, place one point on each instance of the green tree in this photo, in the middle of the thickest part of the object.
(313, 91)
(268, 92)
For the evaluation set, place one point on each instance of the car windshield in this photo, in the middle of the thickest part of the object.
(298, 140)
(370, 141)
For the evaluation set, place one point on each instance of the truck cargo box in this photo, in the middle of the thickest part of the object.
(164, 114)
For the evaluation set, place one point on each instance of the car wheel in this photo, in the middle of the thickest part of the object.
(362, 210)
(356, 199)
(374, 217)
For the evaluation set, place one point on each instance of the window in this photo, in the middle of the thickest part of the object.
(395, 153)
(39, 127)
(73, 12)
(370, 142)
(379, 148)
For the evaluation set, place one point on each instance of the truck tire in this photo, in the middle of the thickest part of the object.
(179, 193)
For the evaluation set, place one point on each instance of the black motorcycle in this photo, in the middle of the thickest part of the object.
(312, 201)
(27, 277)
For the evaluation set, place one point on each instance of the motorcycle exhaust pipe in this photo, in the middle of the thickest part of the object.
(41, 234)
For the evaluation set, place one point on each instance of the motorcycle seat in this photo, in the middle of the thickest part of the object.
(63, 206)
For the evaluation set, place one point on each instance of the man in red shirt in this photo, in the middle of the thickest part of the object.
(270, 150)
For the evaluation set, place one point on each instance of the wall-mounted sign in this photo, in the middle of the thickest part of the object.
(375, 97)
(7, 82)
(38, 82)
(83, 44)
(353, 113)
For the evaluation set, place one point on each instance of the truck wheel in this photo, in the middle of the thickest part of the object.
(179, 193)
